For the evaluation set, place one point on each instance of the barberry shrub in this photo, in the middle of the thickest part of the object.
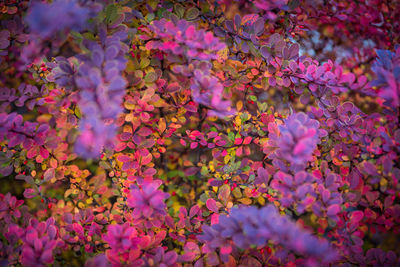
(199, 133)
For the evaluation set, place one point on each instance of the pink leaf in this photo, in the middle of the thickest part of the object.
(333, 210)
(193, 145)
(124, 158)
(212, 205)
(173, 87)
(144, 131)
(49, 174)
(30, 193)
(356, 216)
(194, 210)
(214, 218)
(183, 142)
(226, 249)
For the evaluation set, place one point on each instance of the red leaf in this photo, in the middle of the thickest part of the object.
(44, 153)
(173, 87)
(238, 141)
(32, 152)
(247, 140)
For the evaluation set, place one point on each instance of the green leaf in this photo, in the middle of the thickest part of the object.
(149, 17)
(165, 14)
(205, 7)
(153, 3)
(90, 36)
(246, 168)
(179, 10)
(150, 77)
(243, 117)
(144, 63)
(254, 50)
(104, 165)
(231, 136)
(253, 97)
(77, 113)
(111, 13)
(173, 173)
(293, 4)
(160, 12)
(206, 213)
(76, 35)
(204, 171)
(192, 13)
(203, 197)
(251, 178)
(262, 107)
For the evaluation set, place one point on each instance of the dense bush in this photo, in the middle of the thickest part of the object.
(199, 133)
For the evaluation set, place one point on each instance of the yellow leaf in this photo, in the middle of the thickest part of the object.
(129, 105)
(223, 54)
(337, 162)
(211, 167)
(130, 67)
(168, 142)
(129, 117)
(53, 163)
(182, 119)
(237, 193)
(127, 129)
(313, 218)
(160, 103)
(383, 182)
(162, 125)
(246, 201)
(239, 105)
(238, 121)
(66, 194)
(261, 200)
(226, 159)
